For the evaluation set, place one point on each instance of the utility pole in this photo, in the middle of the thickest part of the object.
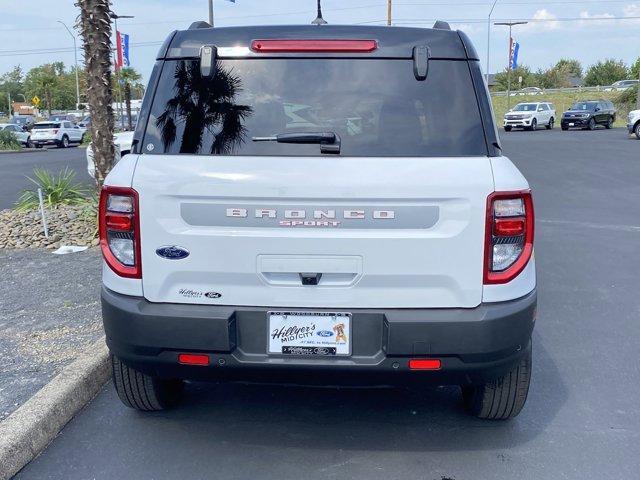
(211, 13)
(389, 12)
(510, 25)
(75, 56)
(489, 38)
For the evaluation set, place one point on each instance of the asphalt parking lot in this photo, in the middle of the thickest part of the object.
(581, 420)
(15, 167)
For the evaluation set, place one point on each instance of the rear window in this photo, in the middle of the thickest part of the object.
(46, 126)
(377, 107)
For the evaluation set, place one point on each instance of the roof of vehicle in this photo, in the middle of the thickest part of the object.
(396, 42)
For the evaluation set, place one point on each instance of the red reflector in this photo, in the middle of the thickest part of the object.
(193, 359)
(336, 46)
(508, 227)
(121, 223)
(425, 364)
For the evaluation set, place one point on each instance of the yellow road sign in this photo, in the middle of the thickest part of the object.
(35, 100)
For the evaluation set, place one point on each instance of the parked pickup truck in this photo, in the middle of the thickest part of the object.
(329, 204)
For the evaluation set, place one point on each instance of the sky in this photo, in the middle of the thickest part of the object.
(589, 30)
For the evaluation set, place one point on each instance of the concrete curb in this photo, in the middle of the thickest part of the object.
(28, 430)
(24, 150)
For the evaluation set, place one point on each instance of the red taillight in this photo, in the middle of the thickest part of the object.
(55, 131)
(425, 364)
(301, 46)
(508, 235)
(193, 359)
(123, 223)
(505, 227)
(119, 225)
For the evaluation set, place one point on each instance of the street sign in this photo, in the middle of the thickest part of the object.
(35, 100)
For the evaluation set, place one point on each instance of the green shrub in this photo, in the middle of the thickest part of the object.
(8, 141)
(86, 138)
(56, 190)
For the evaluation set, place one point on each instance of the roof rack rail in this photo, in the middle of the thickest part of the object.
(200, 24)
(440, 25)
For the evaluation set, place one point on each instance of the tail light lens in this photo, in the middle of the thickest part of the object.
(509, 235)
(55, 132)
(120, 230)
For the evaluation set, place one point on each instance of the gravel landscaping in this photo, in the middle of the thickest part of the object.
(49, 312)
(68, 225)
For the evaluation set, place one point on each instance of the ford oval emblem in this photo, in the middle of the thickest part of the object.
(325, 333)
(172, 252)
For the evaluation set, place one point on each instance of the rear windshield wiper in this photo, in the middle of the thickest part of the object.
(329, 141)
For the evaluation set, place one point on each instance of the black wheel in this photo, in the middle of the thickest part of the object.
(609, 123)
(503, 398)
(507, 128)
(564, 128)
(592, 124)
(64, 143)
(637, 130)
(534, 125)
(143, 392)
(29, 143)
(38, 146)
(549, 125)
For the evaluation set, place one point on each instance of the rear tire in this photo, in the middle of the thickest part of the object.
(609, 123)
(64, 143)
(549, 125)
(507, 129)
(637, 130)
(143, 392)
(29, 143)
(563, 128)
(502, 398)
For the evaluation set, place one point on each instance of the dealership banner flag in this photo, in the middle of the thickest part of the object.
(122, 50)
(514, 54)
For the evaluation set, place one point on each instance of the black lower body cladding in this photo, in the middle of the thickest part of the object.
(474, 345)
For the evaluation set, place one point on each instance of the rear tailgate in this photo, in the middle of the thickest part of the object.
(420, 243)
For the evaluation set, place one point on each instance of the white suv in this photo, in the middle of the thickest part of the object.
(305, 204)
(530, 115)
(633, 123)
(61, 134)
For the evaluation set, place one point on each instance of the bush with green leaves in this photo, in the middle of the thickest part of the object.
(57, 189)
(8, 141)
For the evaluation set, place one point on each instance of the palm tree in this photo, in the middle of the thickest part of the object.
(203, 103)
(94, 23)
(128, 78)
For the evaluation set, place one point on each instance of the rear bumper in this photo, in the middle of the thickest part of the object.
(474, 345)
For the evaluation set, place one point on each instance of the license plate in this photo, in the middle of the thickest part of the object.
(572, 124)
(310, 333)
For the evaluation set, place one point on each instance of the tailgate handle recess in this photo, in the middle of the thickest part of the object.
(310, 278)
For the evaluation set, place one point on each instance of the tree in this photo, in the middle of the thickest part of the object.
(44, 81)
(606, 72)
(634, 70)
(128, 78)
(528, 78)
(11, 85)
(95, 27)
(570, 66)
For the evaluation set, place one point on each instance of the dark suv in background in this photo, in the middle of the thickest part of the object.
(588, 114)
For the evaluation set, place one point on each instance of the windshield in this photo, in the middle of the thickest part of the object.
(45, 126)
(377, 107)
(526, 107)
(584, 106)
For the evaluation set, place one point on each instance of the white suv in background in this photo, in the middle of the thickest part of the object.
(122, 142)
(62, 134)
(530, 115)
(633, 123)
